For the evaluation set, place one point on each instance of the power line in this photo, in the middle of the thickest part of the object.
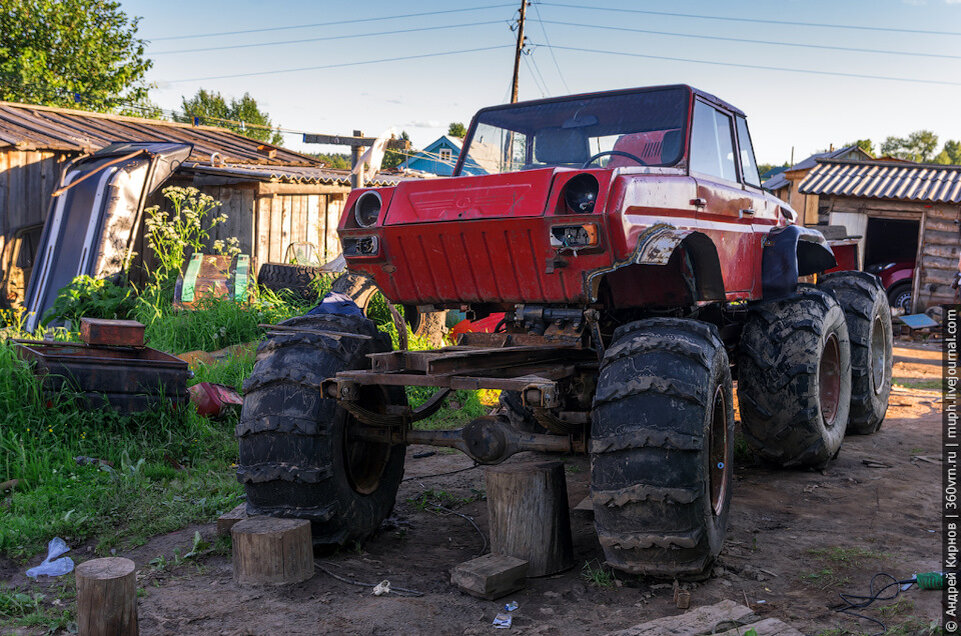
(328, 37)
(770, 42)
(537, 82)
(342, 65)
(756, 20)
(548, 41)
(762, 67)
(321, 24)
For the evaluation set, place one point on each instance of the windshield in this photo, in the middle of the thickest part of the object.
(645, 128)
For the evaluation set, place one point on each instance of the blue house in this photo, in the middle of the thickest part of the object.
(440, 157)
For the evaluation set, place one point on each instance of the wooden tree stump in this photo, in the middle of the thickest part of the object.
(529, 517)
(272, 551)
(107, 597)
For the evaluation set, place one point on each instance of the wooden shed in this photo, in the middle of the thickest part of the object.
(900, 211)
(272, 196)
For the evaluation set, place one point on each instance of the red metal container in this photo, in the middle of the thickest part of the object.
(119, 333)
(127, 379)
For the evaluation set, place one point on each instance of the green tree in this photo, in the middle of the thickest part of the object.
(243, 116)
(918, 146)
(335, 161)
(457, 129)
(864, 144)
(393, 158)
(77, 53)
(950, 154)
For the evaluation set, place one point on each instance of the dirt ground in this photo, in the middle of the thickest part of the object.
(796, 539)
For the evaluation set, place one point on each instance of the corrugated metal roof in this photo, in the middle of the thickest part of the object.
(288, 174)
(780, 180)
(885, 180)
(29, 127)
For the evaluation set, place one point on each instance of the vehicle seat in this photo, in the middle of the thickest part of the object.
(644, 145)
(561, 146)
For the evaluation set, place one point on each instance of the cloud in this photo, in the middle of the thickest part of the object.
(424, 124)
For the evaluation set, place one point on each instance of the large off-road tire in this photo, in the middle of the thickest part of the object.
(296, 459)
(794, 379)
(432, 325)
(662, 448)
(868, 317)
(297, 278)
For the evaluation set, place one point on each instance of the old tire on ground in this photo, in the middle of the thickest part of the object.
(868, 317)
(362, 289)
(297, 278)
(662, 448)
(295, 457)
(794, 379)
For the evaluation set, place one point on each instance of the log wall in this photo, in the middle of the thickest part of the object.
(939, 245)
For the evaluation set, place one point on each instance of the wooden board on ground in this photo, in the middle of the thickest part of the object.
(228, 519)
(490, 576)
(726, 618)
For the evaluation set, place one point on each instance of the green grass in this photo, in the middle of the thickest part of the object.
(852, 557)
(596, 574)
(129, 490)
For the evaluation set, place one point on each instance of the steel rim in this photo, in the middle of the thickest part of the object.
(878, 354)
(903, 301)
(829, 380)
(720, 470)
(365, 461)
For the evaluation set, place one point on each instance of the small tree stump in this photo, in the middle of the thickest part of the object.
(228, 520)
(529, 517)
(272, 551)
(107, 597)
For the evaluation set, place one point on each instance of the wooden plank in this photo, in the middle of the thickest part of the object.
(707, 619)
(276, 223)
(248, 212)
(303, 188)
(941, 251)
(262, 230)
(490, 576)
(312, 203)
(322, 222)
(285, 225)
(228, 520)
(766, 627)
(950, 226)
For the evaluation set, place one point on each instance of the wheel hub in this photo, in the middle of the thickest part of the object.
(879, 339)
(720, 470)
(829, 380)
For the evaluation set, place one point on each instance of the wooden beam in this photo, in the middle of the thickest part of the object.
(353, 141)
(270, 189)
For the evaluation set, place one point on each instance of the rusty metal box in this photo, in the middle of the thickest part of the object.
(129, 380)
(119, 333)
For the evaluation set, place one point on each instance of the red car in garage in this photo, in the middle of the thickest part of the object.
(897, 277)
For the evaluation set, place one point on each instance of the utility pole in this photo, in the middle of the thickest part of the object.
(519, 51)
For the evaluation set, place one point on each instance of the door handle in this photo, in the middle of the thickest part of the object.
(748, 212)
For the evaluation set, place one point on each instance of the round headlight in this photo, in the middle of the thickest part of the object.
(580, 193)
(367, 208)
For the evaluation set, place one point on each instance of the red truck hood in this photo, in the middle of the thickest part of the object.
(518, 194)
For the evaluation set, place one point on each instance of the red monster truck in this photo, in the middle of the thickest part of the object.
(640, 267)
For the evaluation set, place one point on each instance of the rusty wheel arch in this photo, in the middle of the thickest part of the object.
(658, 246)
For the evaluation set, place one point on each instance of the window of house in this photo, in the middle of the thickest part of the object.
(445, 154)
(748, 164)
(712, 144)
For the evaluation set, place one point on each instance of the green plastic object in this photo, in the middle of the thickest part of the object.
(930, 580)
(190, 278)
(241, 278)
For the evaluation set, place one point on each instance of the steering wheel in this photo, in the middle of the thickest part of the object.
(619, 153)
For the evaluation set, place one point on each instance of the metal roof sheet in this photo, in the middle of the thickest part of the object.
(30, 127)
(923, 183)
(314, 175)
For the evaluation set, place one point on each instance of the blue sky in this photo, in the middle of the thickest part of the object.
(803, 111)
